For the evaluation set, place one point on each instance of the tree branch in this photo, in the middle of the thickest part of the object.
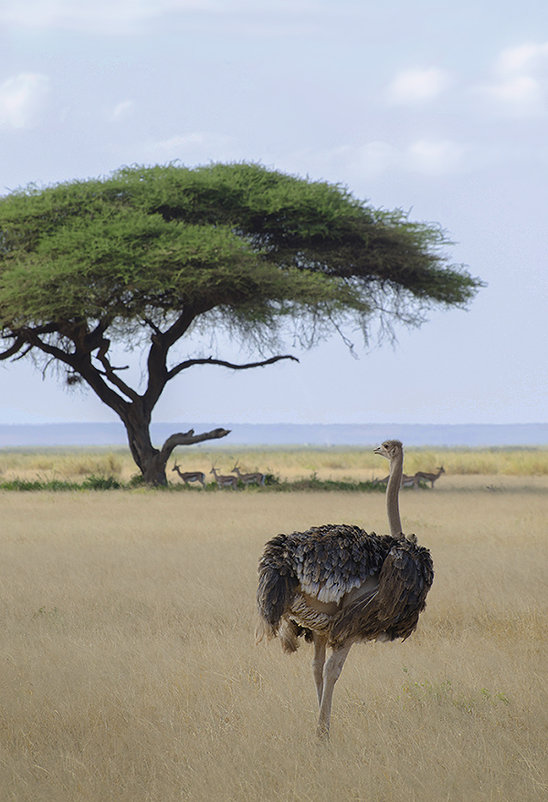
(13, 349)
(188, 439)
(55, 352)
(80, 363)
(210, 361)
(114, 379)
(161, 342)
(153, 326)
(24, 353)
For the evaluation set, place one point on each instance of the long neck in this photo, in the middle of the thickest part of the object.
(392, 493)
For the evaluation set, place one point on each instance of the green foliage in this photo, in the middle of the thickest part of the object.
(272, 483)
(444, 693)
(101, 483)
(314, 483)
(26, 484)
(253, 244)
(90, 483)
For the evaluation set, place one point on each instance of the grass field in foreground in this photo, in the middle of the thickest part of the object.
(336, 464)
(129, 670)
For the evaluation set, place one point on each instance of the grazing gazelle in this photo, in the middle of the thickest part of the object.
(226, 480)
(190, 476)
(249, 478)
(406, 480)
(429, 477)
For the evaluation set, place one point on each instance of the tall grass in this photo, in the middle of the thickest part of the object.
(336, 464)
(129, 670)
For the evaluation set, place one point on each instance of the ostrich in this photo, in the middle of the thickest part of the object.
(338, 585)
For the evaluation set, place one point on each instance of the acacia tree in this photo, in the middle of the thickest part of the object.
(144, 255)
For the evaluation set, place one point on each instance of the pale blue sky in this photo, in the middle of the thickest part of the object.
(438, 108)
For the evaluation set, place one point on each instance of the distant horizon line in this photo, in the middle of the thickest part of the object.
(113, 433)
(273, 423)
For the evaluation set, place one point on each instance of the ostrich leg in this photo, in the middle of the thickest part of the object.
(331, 673)
(320, 642)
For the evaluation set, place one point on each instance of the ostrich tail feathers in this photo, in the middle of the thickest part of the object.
(405, 579)
(264, 630)
(277, 583)
(289, 636)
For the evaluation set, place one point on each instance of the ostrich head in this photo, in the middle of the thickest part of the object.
(390, 449)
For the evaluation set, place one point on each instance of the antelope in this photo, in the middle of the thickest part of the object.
(429, 477)
(406, 481)
(409, 481)
(190, 476)
(249, 478)
(224, 481)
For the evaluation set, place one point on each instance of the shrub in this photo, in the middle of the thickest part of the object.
(101, 483)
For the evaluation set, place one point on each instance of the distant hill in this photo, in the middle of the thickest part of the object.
(280, 434)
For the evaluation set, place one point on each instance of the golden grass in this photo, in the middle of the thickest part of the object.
(130, 673)
(289, 464)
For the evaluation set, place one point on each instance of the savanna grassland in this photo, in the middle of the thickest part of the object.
(129, 669)
(287, 464)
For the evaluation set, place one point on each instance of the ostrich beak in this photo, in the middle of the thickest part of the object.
(377, 450)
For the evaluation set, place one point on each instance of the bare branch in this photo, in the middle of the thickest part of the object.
(13, 349)
(153, 326)
(161, 342)
(210, 361)
(188, 439)
(83, 367)
(115, 367)
(23, 353)
(349, 344)
(114, 379)
(46, 366)
(31, 336)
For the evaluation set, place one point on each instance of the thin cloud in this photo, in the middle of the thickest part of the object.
(418, 85)
(23, 99)
(128, 16)
(434, 157)
(522, 58)
(518, 88)
(429, 157)
(122, 110)
(196, 147)
(522, 92)
(372, 160)
(102, 16)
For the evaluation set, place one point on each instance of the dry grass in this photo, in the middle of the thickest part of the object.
(335, 463)
(129, 669)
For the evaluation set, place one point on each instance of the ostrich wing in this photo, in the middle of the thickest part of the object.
(393, 609)
(333, 559)
(326, 562)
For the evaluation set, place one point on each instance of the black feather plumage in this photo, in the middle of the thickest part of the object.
(329, 561)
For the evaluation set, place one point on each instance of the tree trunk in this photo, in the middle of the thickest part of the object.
(152, 461)
(155, 470)
(137, 425)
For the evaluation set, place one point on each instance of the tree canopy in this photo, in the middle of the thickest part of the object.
(143, 254)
